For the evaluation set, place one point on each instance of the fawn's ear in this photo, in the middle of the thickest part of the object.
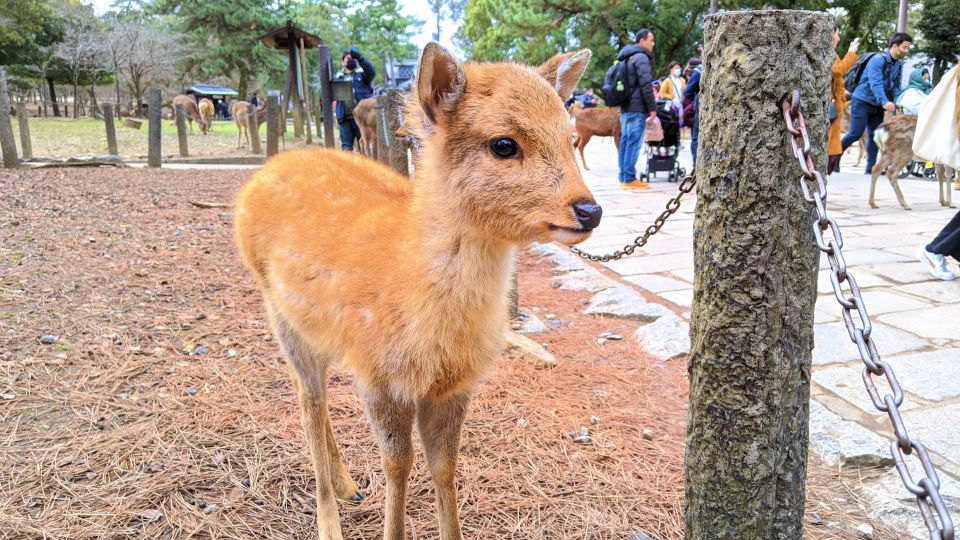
(563, 71)
(440, 82)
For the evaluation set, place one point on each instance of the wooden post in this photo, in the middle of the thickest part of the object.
(26, 148)
(154, 146)
(181, 129)
(273, 130)
(8, 145)
(755, 261)
(326, 95)
(305, 92)
(398, 145)
(253, 128)
(383, 151)
(111, 129)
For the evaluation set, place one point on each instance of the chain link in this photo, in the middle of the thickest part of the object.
(927, 489)
(686, 186)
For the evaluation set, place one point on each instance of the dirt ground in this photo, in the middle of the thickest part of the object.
(161, 410)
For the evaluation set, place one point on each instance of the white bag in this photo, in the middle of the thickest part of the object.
(936, 136)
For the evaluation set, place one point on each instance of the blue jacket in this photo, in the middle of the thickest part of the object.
(692, 91)
(362, 85)
(880, 81)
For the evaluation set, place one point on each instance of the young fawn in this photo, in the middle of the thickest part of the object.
(406, 282)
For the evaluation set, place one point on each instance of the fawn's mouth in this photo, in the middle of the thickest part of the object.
(570, 229)
(568, 235)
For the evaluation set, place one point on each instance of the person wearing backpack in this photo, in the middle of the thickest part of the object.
(838, 98)
(639, 104)
(692, 94)
(879, 82)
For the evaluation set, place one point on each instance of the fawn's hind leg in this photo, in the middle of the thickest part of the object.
(439, 423)
(392, 423)
(310, 373)
(875, 173)
(892, 171)
(581, 144)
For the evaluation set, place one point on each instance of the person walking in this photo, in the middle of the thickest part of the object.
(838, 98)
(640, 106)
(587, 99)
(875, 93)
(673, 86)
(946, 244)
(692, 93)
(361, 72)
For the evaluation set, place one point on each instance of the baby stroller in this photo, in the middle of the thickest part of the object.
(662, 155)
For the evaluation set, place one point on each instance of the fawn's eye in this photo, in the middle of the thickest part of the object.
(504, 147)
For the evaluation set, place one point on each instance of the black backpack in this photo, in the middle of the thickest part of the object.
(616, 88)
(852, 78)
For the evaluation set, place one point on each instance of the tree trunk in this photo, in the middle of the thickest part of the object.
(53, 98)
(76, 100)
(755, 280)
(154, 126)
(8, 145)
(116, 85)
(93, 101)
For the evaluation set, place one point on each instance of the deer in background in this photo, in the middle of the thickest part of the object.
(365, 114)
(405, 283)
(241, 111)
(190, 110)
(597, 121)
(895, 141)
(206, 111)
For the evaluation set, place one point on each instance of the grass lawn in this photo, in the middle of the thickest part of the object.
(63, 138)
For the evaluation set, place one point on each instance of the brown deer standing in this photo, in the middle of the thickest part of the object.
(406, 282)
(206, 111)
(597, 121)
(365, 114)
(895, 141)
(240, 110)
(190, 109)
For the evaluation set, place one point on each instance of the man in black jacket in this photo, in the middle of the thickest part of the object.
(633, 115)
(358, 69)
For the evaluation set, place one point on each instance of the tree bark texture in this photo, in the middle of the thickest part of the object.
(111, 129)
(154, 103)
(273, 127)
(253, 128)
(23, 120)
(8, 145)
(326, 95)
(398, 145)
(755, 278)
(181, 117)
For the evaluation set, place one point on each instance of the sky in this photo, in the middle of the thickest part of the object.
(417, 8)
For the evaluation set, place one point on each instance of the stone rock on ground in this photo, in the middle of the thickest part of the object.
(888, 502)
(625, 303)
(666, 338)
(523, 348)
(837, 440)
(530, 324)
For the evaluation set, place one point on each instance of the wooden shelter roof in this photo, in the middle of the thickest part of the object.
(279, 38)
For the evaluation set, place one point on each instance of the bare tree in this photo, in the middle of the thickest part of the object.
(147, 54)
(78, 47)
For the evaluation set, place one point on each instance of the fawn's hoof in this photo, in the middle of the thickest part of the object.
(355, 498)
(873, 205)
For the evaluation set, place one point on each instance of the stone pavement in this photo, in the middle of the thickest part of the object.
(916, 318)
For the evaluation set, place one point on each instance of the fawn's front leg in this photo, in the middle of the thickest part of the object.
(440, 422)
(392, 423)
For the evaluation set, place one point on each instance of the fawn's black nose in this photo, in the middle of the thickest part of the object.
(588, 214)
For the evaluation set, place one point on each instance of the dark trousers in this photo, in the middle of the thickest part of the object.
(863, 116)
(694, 137)
(349, 132)
(948, 241)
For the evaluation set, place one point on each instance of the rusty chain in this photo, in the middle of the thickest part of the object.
(927, 489)
(686, 186)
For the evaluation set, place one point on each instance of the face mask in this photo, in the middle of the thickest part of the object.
(676, 72)
(351, 64)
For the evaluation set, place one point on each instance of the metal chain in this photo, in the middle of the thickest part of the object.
(927, 489)
(686, 186)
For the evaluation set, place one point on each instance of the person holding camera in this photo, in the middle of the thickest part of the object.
(360, 72)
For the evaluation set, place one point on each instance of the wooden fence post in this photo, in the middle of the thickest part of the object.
(755, 260)
(111, 129)
(383, 139)
(154, 144)
(326, 95)
(273, 114)
(26, 147)
(8, 145)
(398, 145)
(181, 116)
(253, 128)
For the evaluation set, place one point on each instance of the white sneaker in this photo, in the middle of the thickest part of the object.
(936, 264)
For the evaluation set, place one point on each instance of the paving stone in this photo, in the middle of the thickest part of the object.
(666, 338)
(623, 302)
(685, 274)
(839, 441)
(931, 375)
(657, 284)
(651, 264)
(938, 428)
(832, 344)
(527, 350)
(880, 301)
(858, 257)
(587, 279)
(945, 292)
(563, 258)
(905, 272)
(682, 298)
(887, 501)
(847, 382)
(939, 322)
(864, 279)
(825, 315)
